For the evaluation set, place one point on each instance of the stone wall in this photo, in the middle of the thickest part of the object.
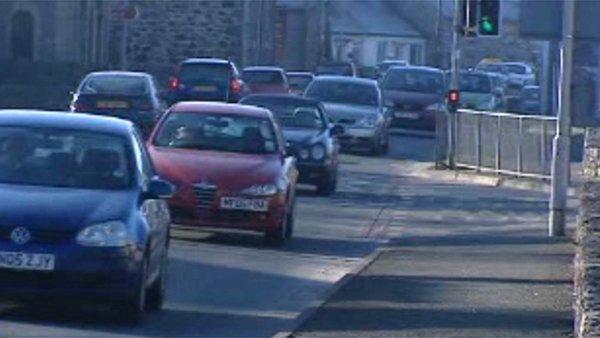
(167, 32)
(587, 257)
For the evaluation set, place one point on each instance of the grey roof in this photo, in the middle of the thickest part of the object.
(264, 68)
(369, 17)
(345, 79)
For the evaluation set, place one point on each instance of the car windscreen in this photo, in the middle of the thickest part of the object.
(492, 68)
(115, 84)
(193, 74)
(475, 83)
(343, 92)
(291, 114)
(263, 77)
(299, 81)
(515, 69)
(414, 81)
(218, 132)
(64, 158)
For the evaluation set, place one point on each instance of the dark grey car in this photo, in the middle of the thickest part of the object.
(355, 104)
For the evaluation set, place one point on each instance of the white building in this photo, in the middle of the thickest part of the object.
(370, 31)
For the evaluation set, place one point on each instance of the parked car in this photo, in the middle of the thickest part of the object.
(230, 165)
(266, 80)
(74, 221)
(387, 64)
(413, 95)
(355, 104)
(477, 91)
(127, 95)
(519, 73)
(337, 68)
(299, 81)
(530, 100)
(309, 136)
(207, 80)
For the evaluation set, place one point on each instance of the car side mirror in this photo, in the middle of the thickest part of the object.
(159, 188)
(337, 130)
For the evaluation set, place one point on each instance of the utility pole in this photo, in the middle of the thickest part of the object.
(561, 159)
(456, 29)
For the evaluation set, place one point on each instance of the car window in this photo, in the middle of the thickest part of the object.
(475, 83)
(343, 92)
(228, 133)
(291, 114)
(263, 77)
(204, 74)
(64, 158)
(299, 81)
(413, 81)
(516, 69)
(115, 84)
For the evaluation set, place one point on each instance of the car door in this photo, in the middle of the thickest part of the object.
(154, 210)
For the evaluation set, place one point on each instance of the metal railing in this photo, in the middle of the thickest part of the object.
(504, 143)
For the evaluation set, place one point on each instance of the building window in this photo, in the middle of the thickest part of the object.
(416, 54)
(21, 39)
(381, 51)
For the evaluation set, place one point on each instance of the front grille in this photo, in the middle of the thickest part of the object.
(205, 196)
(43, 236)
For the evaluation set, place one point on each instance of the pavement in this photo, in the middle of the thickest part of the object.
(390, 254)
(464, 260)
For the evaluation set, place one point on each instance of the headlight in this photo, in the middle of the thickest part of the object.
(109, 234)
(261, 190)
(317, 152)
(367, 122)
(303, 154)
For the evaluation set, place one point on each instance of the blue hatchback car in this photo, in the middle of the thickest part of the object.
(82, 214)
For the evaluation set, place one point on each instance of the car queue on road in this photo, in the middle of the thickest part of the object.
(94, 194)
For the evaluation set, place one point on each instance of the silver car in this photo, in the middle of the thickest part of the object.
(356, 104)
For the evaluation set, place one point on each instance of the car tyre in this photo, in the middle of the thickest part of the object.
(278, 236)
(132, 310)
(157, 291)
(327, 185)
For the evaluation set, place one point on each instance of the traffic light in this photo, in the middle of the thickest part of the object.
(489, 18)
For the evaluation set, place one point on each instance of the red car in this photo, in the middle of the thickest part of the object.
(266, 80)
(229, 164)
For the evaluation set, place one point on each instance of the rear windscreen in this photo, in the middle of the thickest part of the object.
(115, 84)
(199, 74)
(262, 77)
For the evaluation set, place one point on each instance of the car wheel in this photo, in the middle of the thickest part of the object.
(277, 236)
(132, 310)
(327, 185)
(157, 291)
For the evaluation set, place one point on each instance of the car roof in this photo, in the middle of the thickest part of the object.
(219, 108)
(347, 79)
(422, 68)
(120, 73)
(65, 120)
(206, 60)
(264, 68)
(282, 97)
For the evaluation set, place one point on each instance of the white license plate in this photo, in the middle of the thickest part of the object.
(112, 104)
(405, 115)
(26, 261)
(205, 89)
(236, 203)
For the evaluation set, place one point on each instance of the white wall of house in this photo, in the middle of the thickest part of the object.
(370, 50)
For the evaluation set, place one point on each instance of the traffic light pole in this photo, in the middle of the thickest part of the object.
(561, 151)
(456, 28)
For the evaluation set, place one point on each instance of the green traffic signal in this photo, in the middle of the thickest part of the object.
(487, 25)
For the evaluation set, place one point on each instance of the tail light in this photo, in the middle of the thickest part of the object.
(236, 86)
(174, 83)
(453, 96)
